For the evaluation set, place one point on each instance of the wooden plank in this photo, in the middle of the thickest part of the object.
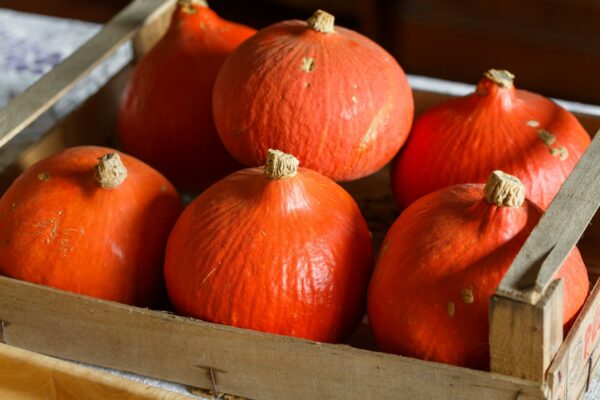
(86, 125)
(24, 109)
(27, 375)
(579, 354)
(246, 363)
(523, 337)
(558, 231)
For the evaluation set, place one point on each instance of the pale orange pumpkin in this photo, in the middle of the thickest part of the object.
(91, 221)
(328, 95)
(276, 249)
(441, 262)
(496, 127)
(166, 116)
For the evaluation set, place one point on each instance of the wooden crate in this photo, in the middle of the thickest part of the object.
(530, 360)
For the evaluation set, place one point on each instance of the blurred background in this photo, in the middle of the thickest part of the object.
(552, 46)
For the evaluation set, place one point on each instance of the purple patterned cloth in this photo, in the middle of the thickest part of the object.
(30, 45)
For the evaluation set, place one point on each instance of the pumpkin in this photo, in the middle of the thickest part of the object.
(165, 117)
(91, 221)
(442, 260)
(496, 127)
(278, 249)
(328, 95)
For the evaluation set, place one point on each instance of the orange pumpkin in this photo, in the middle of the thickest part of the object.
(91, 221)
(166, 112)
(497, 126)
(326, 94)
(441, 262)
(276, 249)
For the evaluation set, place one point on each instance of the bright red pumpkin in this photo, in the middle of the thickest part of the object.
(166, 117)
(275, 249)
(328, 95)
(441, 262)
(496, 127)
(91, 221)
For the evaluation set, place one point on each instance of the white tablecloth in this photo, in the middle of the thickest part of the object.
(31, 45)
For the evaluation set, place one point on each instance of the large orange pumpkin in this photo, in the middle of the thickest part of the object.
(91, 221)
(496, 127)
(166, 112)
(441, 262)
(276, 249)
(328, 95)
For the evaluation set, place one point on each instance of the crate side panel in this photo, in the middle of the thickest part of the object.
(245, 363)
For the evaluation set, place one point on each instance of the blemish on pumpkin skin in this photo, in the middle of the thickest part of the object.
(376, 127)
(307, 85)
(561, 152)
(13, 207)
(308, 64)
(546, 137)
(44, 176)
(239, 132)
(163, 188)
(533, 123)
(354, 100)
(467, 296)
(451, 308)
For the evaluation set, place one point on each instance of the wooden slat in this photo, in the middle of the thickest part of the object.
(578, 356)
(558, 231)
(524, 338)
(24, 109)
(246, 363)
(31, 376)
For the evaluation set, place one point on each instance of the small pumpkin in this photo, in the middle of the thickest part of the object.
(497, 126)
(328, 95)
(91, 221)
(165, 117)
(442, 260)
(278, 249)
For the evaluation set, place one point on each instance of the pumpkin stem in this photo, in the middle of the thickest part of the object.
(501, 77)
(188, 5)
(110, 172)
(321, 21)
(280, 165)
(504, 190)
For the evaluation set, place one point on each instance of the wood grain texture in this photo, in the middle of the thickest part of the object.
(38, 98)
(523, 337)
(246, 363)
(27, 375)
(558, 231)
(577, 358)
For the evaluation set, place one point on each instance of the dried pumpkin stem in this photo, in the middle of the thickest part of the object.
(188, 4)
(504, 190)
(110, 172)
(280, 165)
(321, 21)
(501, 77)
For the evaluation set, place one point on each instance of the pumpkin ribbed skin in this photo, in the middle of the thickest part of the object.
(166, 117)
(337, 101)
(290, 256)
(59, 228)
(461, 140)
(438, 267)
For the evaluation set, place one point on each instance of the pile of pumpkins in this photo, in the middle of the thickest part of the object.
(279, 246)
